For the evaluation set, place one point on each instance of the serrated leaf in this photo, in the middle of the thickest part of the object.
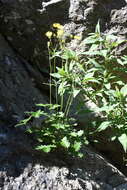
(65, 143)
(123, 140)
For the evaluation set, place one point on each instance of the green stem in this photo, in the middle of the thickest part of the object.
(62, 96)
(66, 108)
(50, 79)
(70, 103)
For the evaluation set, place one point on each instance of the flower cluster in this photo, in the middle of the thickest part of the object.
(59, 31)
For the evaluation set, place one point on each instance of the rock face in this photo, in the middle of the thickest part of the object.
(23, 169)
(23, 24)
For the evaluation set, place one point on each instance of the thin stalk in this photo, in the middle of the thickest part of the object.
(66, 108)
(62, 96)
(56, 93)
(70, 103)
(50, 79)
(50, 84)
(71, 98)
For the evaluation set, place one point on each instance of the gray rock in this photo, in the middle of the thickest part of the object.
(23, 25)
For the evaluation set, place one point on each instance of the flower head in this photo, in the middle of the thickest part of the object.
(57, 25)
(77, 37)
(60, 33)
(48, 34)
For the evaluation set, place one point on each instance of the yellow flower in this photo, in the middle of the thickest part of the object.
(57, 25)
(60, 33)
(77, 37)
(49, 34)
(71, 36)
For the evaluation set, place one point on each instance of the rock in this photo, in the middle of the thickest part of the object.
(23, 25)
(60, 174)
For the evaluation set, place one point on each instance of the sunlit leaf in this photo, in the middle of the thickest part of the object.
(45, 148)
(65, 143)
(123, 140)
(77, 146)
(75, 92)
(104, 125)
(124, 90)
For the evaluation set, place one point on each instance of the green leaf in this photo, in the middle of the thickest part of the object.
(77, 146)
(45, 148)
(73, 134)
(113, 138)
(69, 54)
(75, 92)
(43, 105)
(119, 83)
(104, 126)
(97, 29)
(123, 140)
(90, 40)
(92, 53)
(80, 133)
(61, 71)
(37, 114)
(55, 75)
(62, 88)
(80, 155)
(108, 86)
(65, 143)
(23, 122)
(120, 61)
(104, 53)
(58, 125)
(124, 90)
(54, 106)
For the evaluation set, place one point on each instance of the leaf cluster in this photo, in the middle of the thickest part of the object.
(95, 74)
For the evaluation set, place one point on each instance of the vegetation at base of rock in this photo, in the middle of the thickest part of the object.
(95, 74)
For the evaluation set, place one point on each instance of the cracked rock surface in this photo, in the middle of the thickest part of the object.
(23, 24)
